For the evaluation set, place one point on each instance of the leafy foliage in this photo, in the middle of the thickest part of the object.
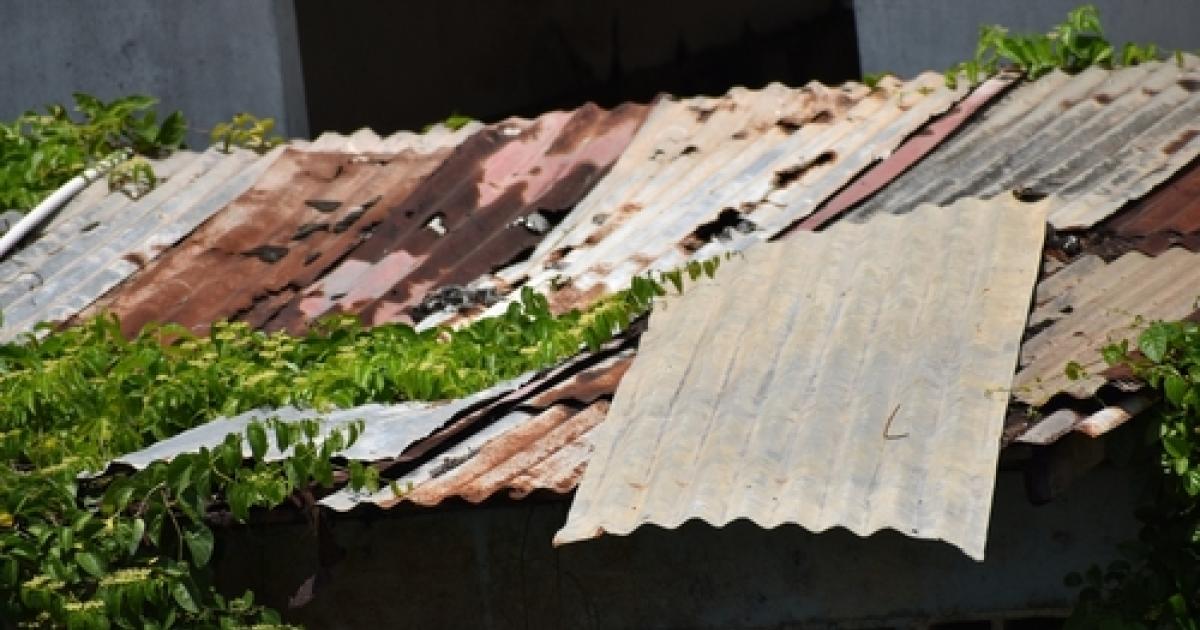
(453, 122)
(246, 131)
(40, 152)
(1074, 45)
(1157, 582)
(131, 551)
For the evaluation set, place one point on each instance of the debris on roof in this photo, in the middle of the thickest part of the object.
(856, 377)
(1089, 142)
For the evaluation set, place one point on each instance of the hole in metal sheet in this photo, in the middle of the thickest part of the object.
(437, 224)
(689, 149)
(345, 222)
(787, 176)
(1028, 194)
(267, 253)
(89, 227)
(323, 205)
(311, 258)
(308, 229)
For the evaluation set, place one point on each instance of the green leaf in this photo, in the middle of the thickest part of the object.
(1154, 341)
(90, 563)
(1175, 388)
(200, 544)
(183, 597)
(135, 537)
(257, 436)
(1075, 371)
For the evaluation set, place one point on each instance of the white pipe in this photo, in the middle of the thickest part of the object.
(59, 197)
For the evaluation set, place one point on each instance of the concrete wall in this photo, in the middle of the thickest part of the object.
(210, 59)
(909, 36)
(493, 567)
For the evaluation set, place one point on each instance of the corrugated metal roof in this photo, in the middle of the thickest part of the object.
(492, 200)
(703, 169)
(367, 141)
(857, 378)
(1089, 304)
(298, 220)
(98, 245)
(540, 444)
(1091, 142)
(387, 430)
(1173, 208)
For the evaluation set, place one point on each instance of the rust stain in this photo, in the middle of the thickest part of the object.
(1180, 142)
(259, 249)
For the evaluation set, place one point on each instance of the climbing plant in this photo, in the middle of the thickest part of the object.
(1072, 46)
(1156, 582)
(133, 550)
(41, 151)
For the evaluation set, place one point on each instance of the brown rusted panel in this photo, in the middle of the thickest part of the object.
(542, 453)
(300, 218)
(483, 208)
(1174, 208)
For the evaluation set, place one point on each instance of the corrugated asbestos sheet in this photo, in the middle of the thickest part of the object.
(525, 444)
(367, 141)
(300, 218)
(1089, 304)
(856, 378)
(493, 200)
(387, 430)
(99, 241)
(1091, 142)
(703, 170)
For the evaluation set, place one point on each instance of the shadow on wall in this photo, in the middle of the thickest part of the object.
(401, 65)
(493, 567)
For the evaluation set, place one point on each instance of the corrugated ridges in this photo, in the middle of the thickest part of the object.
(298, 220)
(492, 200)
(367, 141)
(1090, 304)
(1091, 142)
(99, 244)
(536, 440)
(704, 169)
(854, 378)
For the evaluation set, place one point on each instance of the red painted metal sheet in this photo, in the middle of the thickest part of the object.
(909, 153)
(299, 219)
(487, 205)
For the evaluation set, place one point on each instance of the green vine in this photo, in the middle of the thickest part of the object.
(41, 152)
(132, 551)
(246, 131)
(1072, 46)
(1156, 583)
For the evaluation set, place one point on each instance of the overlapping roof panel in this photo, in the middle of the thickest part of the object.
(1089, 304)
(491, 201)
(98, 243)
(702, 170)
(1090, 142)
(367, 141)
(301, 217)
(856, 377)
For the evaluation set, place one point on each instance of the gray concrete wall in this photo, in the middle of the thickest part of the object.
(493, 567)
(209, 59)
(909, 36)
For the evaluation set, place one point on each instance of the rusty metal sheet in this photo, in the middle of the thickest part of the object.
(1091, 304)
(298, 220)
(707, 170)
(1173, 209)
(491, 201)
(856, 377)
(102, 245)
(538, 444)
(911, 152)
(1089, 142)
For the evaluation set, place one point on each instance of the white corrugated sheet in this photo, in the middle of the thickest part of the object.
(856, 377)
